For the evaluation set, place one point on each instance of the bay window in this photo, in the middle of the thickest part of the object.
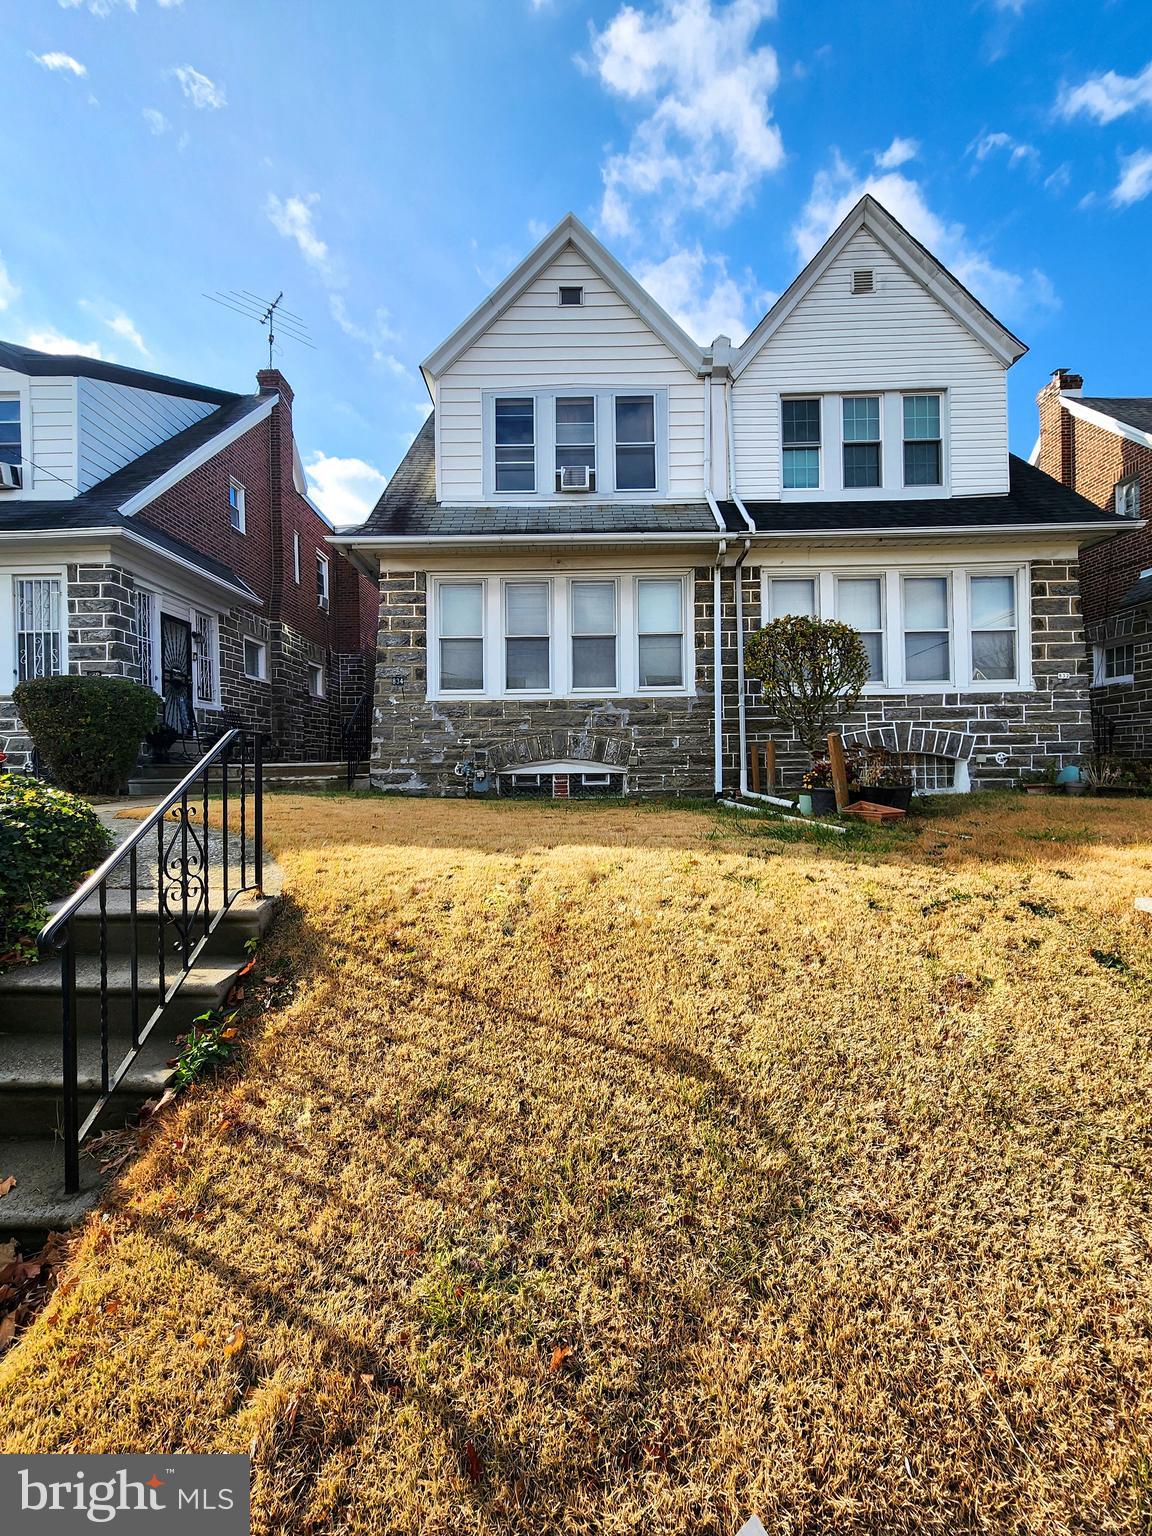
(861, 447)
(927, 656)
(635, 443)
(860, 602)
(461, 629)
(559, 635)
(800, 420)
(516, 443)
(527, 640)
(922, 440)
(593, 620)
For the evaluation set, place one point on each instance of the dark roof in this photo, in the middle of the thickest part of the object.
(1133, 410)
(1032, 497)
(25, 360)
(1138, 594)
(99, 507)
(409, 508)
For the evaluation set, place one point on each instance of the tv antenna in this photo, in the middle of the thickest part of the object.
(269, 314)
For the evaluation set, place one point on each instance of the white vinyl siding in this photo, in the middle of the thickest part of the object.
(536, 344)
(117, 423)
(899, 339)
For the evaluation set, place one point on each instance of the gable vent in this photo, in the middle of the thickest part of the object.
(863, 280)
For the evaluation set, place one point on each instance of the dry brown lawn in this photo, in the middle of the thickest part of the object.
(616, 1170)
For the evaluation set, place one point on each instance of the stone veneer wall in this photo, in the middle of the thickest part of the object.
(1052, 721)
(665, 744)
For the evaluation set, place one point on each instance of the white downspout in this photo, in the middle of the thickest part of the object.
(717, 675)
(748, 794)
(708, 495)
(733, 493)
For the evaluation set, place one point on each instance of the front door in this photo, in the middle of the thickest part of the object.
(176, 674)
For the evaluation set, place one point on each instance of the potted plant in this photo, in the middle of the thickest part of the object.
(1039, 781)
(1072, 780)
(812, 671)
(884, 778)
(1105, 776)
(816, 785)
(160, 741)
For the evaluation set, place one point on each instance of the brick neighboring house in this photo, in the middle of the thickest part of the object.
(161, 530)
(599, 511)
(1101, 447)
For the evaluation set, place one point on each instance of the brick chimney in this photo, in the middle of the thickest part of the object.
(1057, 428)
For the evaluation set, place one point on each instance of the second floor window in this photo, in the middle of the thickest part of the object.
(861, 440)
(10, 432)
(236, 505)
(635, 443)
(922, 443)
(516, 443)
(576, 436)
(801, 442)
(1127, 494)
(322, 582)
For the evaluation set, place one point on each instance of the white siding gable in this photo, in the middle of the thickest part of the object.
(537, 344)
(117, 423)
(898, 338)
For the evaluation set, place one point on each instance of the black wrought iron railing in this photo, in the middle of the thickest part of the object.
(162, 892)
(356, 737)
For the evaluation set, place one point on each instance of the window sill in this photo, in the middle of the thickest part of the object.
(213, 704)
(558, 698)
(898, 690)
(1115, 682)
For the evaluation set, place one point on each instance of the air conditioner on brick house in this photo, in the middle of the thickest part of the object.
(10, 477)
(576, 477)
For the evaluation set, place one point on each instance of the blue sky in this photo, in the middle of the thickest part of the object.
(386, 163)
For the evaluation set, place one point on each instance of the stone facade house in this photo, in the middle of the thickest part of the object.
(599, 511)
(1101, 447)
(161, 530)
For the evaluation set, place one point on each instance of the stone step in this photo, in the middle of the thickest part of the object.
(246, 918)
(31, 1098)
(38, 1204)
(30, 996)
(172, 773)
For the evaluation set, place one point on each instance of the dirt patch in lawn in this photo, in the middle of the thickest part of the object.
(611, 1169)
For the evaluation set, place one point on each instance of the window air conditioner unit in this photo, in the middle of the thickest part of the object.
(10, 477)
(576, 477)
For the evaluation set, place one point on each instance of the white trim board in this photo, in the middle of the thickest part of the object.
(1109, 423)
(48, 537)
(192, 461)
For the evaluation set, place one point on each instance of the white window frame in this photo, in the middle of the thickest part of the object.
(8, 647)
(571, 637)
(885, 646)
(1099, 662)
(316, 674)
(323, 583)
(1126, 496)
(205, 624)
(23, 425)
(579, 287)
(550, 636)
(544, 409)
(260, 676)
(240, 525)
(560, 636)
(296, 558)
(878, 396)
(822, 404)
(153, 680)
(892, 613)
(941, 406)
(891, 487)
(685, 623)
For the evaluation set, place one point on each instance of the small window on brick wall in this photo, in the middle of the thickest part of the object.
(1115, 663)
(322, 582)
(315, 679)
(255, 661)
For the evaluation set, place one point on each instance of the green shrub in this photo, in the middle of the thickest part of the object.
(48, 839)
(87, 730)
(812, 671)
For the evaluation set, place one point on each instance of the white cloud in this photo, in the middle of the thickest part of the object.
(1108, 96)
(60, 63)
(1135, 179)
(118, 323)
(708, 137)
(157, 122)
(97, 7)
(9, 292)
(991, 143)
(836, 191)
(345, 490)
(701, 294)
(377, 336)
(51, 340)
(198, 89)
(292, 217)
(899, 152)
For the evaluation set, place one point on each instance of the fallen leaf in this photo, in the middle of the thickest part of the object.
(200, 1340)
(235, 1341)
(7, 1185)
(475, 1465)
(112, 1307)
(228, 1034)
(7, 1330)
(559, 1355)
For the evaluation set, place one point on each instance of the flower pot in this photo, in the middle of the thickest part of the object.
(823, 802)
(1075, 787)
(804, 803)
(899, 795)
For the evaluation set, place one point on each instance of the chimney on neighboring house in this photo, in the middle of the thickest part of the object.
(1057, 427)
(273, 382)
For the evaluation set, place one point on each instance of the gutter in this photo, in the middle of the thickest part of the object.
(457, 542)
